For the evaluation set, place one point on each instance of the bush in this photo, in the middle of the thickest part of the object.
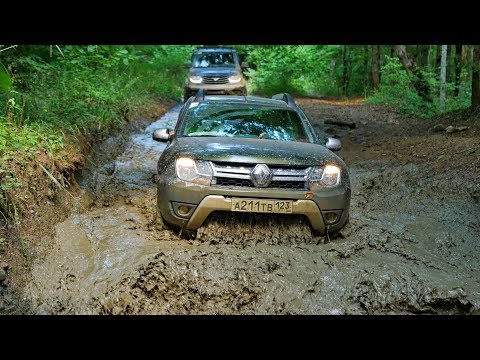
(276, 69)
(397, 91)
(88, 90)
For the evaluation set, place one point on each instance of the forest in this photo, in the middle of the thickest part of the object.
(78, 170)
(52, 96)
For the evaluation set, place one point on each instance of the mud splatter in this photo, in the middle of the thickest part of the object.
(411, 245)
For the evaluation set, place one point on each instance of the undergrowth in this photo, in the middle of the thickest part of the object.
(54, 98)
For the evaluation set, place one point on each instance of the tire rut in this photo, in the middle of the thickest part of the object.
(407, 249)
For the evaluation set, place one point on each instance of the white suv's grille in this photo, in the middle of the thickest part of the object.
(210, 79)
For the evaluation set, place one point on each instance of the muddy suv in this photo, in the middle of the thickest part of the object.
(235, 154)
(217, 70)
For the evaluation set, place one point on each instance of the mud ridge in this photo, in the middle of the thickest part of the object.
(410, 247)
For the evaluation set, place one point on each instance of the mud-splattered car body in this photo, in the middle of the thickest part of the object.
(249, 154)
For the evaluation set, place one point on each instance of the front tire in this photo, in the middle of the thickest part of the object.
(188, 234)
(160, 223)
(335, 234)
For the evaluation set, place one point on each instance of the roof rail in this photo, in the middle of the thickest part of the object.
(285, 97)
(200, 96)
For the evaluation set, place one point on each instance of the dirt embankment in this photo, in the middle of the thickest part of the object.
(42, 203)
(411, 245)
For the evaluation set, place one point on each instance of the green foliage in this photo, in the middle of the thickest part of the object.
(323, 70)
(308, 69)
(90, 89)
(396, 90)
(94, 87)
(22, 246)
(338, 70)
(5, 80)
(48, 95)
(275, 69)
(28, 138)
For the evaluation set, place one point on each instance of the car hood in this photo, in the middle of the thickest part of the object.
(214, 71)
(254, 151)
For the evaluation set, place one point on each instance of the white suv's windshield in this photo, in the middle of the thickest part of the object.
(227, 120)
(213, 59)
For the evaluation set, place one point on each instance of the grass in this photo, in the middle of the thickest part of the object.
(54, 101)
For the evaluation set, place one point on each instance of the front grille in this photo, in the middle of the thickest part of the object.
(284, 177)
(211, 79)
(233, 182)
(297, 185)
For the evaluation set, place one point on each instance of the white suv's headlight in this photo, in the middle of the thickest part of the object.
(196, 171)
(234, 79)
(325, 176)
(195, 79)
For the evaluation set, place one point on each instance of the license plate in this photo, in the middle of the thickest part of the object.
(262, 205)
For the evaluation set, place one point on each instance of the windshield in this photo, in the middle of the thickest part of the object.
(244, 121)
(213, 59)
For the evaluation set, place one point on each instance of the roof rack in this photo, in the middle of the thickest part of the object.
(285, 97)
(200, 96)
(214, 48)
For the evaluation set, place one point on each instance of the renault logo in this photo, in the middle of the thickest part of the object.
(261, 175)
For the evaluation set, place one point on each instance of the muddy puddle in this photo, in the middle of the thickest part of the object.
(403, 252)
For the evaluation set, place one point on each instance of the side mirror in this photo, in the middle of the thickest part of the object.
(333, 144)
(162, 135)
(187, 65)
(245, 65)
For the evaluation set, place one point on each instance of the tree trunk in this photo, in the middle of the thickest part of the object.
(458, 68)
(366, 73)
(333, 65)
(464, 76)
(476, 77)
(438, 58)
(405, 60)
(449, 56)
(376, 66)
(424, 55)
(415, 53)
(345, 71)
(419, 82)
(443, 76)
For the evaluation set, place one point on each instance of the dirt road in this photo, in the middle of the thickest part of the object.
(412, 244)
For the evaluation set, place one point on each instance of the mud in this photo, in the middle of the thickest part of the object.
(411, 246)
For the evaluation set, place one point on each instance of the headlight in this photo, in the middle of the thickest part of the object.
(235, 79)
(195, 79)
(325, 176)
(196, 171)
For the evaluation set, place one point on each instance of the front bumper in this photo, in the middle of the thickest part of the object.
(218, 89)
(217, 202)
(206, 199)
